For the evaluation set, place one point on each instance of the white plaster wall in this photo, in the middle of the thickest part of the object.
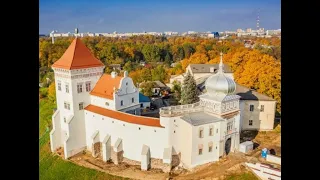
(132, 138)
(75, 130)
(183, 142)
(177, 78)
(261, 120)
(101, 102)
(126, 92)
(206, 155)
(55, 134)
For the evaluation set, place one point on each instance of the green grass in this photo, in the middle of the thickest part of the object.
(54, 167)
(242, 176)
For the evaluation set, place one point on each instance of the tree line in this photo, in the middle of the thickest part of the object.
(257, 68)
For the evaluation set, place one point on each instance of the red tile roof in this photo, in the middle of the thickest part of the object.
(129, 118)
(77, 56)
(105, 85)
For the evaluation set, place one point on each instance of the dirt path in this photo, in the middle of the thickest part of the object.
(123, 169)
(215, 170)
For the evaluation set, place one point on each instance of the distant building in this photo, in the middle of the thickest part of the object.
(201, 70)
(157, 87)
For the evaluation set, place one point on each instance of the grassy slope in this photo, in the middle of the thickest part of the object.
(242, 176)
(53, 167)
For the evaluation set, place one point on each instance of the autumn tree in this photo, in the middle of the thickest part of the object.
(189, 92)
(159, 73)
(146, 88)
(52, 92)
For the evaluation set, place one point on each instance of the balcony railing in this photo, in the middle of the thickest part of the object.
(180, 109)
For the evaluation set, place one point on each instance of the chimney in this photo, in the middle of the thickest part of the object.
(113, 74)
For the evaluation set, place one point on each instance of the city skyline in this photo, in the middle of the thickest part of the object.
(158, 16)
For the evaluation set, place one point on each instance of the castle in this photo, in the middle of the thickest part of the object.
(93, 114)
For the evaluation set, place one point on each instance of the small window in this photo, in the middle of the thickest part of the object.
(174, 131)
(251, 107)
(132, 100)
(141, 105)
(174, 120)
(102, 118)
(262, 108)
(81, 106)
(65, 120)
(200, 151)
(126, 83)
(67, 88)
(112, 121)
(79, 88)
(124, 125)
(210, 131)
(88, 86)
(107, 104)
(210, 148)
(67, 105)
(155, 131)
(59, 86)
(217, 131)
(201, 133)
(139, 128)
(250, 122)
(121, 103)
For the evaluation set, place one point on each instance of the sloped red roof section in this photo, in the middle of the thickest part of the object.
(77, 56)
(147, 121)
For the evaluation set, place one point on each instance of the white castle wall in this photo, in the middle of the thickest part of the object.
(132, 138)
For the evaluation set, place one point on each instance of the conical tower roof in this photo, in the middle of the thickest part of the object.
(77, 56)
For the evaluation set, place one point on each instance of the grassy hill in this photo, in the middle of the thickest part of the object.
(52, 166)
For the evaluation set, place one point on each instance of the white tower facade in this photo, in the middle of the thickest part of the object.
(76, 73)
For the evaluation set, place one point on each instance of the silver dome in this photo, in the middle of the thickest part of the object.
(220, 84)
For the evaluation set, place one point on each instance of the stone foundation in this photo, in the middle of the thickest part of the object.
(96, 150)
(116, 157)
(175, 160)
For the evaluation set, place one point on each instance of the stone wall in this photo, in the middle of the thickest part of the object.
(96, 149)
(116, 157)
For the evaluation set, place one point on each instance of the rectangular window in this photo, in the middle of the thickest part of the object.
(81, 106)
(141, 105)
(201, 133)
(250, 122)
(262, 108)
(88, 86)
(200, 151)
(67, 105)
(210, 131)
(59, 86)
(229, 126)
(251, 107)
(79, 88)
(210, 148)
(132, 100)
(67, 88)
(121, 103)
(217, 130)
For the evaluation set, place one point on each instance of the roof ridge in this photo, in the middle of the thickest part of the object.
(74, 52)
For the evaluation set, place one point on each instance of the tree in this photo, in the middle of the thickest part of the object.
(176, 89)
(189, 92)
(158, 73)
(167, 59)
(52, 92)
(146, 88)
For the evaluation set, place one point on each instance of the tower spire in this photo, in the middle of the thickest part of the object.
(221, 64)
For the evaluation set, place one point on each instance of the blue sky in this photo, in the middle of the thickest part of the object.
(156, 15)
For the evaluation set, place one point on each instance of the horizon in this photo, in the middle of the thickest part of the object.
(157, 16)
